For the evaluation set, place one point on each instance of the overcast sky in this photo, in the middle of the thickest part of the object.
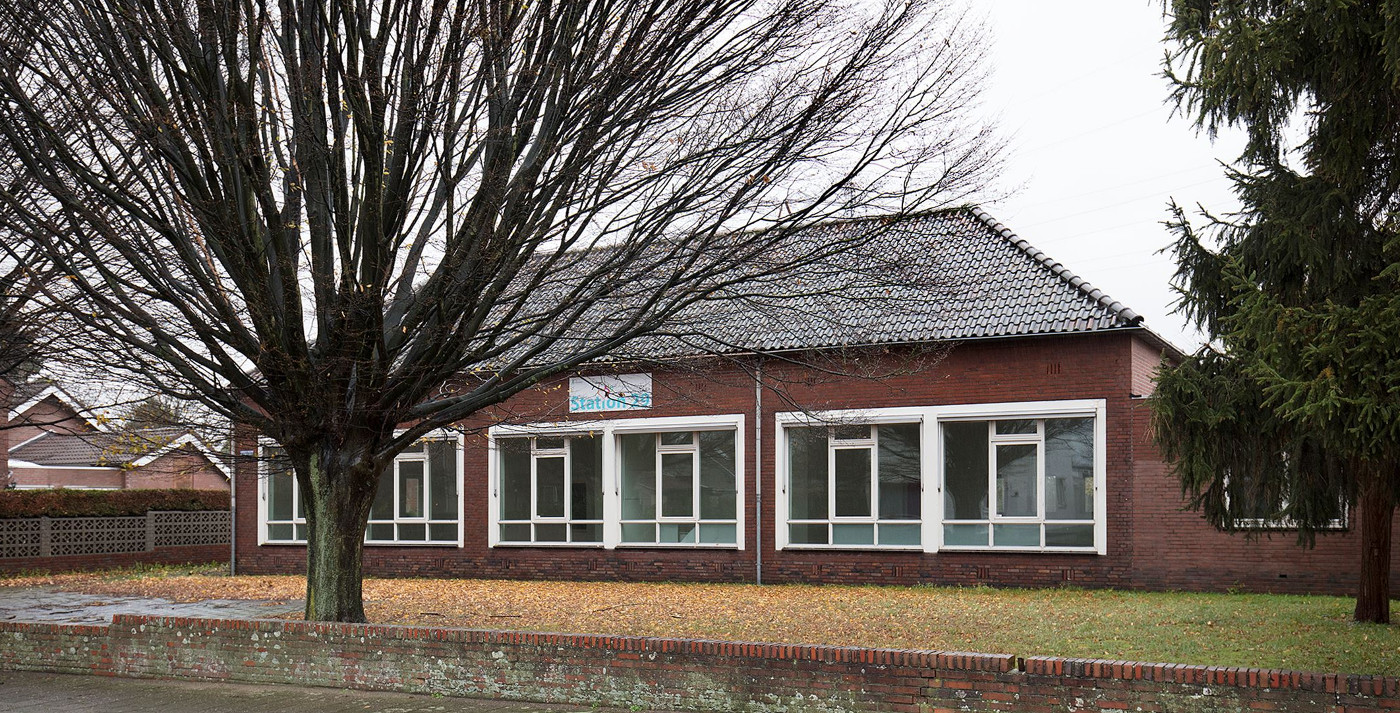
(1095, 149)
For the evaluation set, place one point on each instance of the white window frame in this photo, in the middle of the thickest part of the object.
(871, 444)
(931, 419)
(609, 429)
(1287, 523)
(298, 517)
(535, 518)
(440, 434)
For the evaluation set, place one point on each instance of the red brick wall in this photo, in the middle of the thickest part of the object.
(57, 477)
(1151, 543)
(51, 414)
(665, 674)
(178, 469)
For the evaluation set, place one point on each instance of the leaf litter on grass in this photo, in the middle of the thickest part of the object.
(1266, 631)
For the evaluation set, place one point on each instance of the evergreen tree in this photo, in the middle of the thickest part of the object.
(1296, 403)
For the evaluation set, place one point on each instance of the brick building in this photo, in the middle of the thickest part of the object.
(51, 440)
(987, 427)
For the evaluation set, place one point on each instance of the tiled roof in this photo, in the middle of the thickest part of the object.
(946, 276)
(94, 449)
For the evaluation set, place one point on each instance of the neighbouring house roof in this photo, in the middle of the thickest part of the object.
(947, 276)
(132, 448)
(29, 394)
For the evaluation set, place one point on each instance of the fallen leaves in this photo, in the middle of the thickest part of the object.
(1310, 633)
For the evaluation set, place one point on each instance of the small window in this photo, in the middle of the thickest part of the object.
(854, 485)
(678, 488)
(1019, 483)
(551, 490)
(286, 513)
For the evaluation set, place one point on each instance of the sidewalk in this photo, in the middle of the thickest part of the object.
(50, 604)
(60, 693)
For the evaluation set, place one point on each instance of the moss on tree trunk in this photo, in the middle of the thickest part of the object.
(337, 508)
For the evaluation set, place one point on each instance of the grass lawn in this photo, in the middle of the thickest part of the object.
(1268, 631)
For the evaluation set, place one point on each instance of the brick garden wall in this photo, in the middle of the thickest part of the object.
(667, 674)
(1152, 542)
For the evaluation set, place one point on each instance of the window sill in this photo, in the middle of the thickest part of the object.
(855, 548)
(1024, 550)
(581, 545)
(676, 546)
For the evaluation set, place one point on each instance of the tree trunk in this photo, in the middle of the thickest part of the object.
(1375, 507)
(337, 508)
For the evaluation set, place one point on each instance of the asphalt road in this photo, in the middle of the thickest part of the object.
(61, 693)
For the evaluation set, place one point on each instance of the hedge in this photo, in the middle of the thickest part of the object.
(96, 503)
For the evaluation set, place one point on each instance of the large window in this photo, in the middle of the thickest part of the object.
(678, 488)
(418, 500)
(551, 489)
(1023, 483)
(854, 485)
(637, 482)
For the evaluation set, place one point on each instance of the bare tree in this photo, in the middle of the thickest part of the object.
(311, 216)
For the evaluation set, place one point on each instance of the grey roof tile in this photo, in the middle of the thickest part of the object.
(94, 449)
(945, 276)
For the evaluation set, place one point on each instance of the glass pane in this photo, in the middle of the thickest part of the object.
(807, 474)
(719, 534)
(853, 482)
(672, 533)
(415, 448)
(383, 531)
(586, 533)
(417, 532)
(549, 486)
(1069, 469)
(383, 508)
(279, 492)
(552, 533)
(410, 488)
(443, 532)
(900, 535)
(1016, 474)
(899, 471)
(718, 494)
(300, 531)
(1069, 535)
(1016, 535)
(677, 438)
(586, 478)
(638, 532)
(1015, 426)
(515, 533)
(677, 485)
(637, 452)
(851, 431)
(965, 471)
(544, 443)
(965, 535)
(279, 532)
(442, 480)
(515, 478)
(852, 534)
(807, 534)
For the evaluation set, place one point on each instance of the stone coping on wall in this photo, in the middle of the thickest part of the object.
(746, 675)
